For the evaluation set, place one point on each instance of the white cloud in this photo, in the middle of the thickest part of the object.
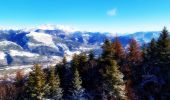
(112, 12)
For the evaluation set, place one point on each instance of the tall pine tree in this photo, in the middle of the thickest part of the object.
(119, 54)
(113, 81)
(77, 91)
(163, 47)
(134, 68)
(36, 85)
(163, 58)
(108, 50)
(55, 92)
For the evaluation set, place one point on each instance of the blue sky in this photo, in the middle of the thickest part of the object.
(96, 15)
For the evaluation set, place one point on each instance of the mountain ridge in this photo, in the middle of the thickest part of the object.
(46, 44)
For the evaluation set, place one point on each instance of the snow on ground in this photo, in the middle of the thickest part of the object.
(22, 53)
(64, 46)
(69, 54)
(10, 71)
(2, 55)
(43, 38)
(6, 43)
(85, 48)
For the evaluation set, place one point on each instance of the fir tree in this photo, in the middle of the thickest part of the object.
(134, 55)
(19, 78)
(134, 64)
(150, 56)
(82, 60)
(77, 91)
(75, 62)
(119, 55)
(112, 79)
(54, 85)
(151, 51)
(36, 86)
(114, 83)
(108, 50)
(91, 55)
(163, 58)
(64, 61)
(65, 76)
(163, 47)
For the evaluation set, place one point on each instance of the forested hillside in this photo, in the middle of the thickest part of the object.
(132, 73)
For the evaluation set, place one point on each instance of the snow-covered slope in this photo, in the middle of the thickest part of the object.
(7, 45)
(48, 43)
(41, 39)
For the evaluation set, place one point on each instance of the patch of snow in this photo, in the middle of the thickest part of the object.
(64, 46)
(2, 57)
(69, 54)
(43, 38)
(82, 48)
(6, 43)
(22, 53)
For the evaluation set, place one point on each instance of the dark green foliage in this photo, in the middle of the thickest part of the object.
(55, 92)
(151, 52)
(163, 47)
(64, 61)
(158, 65)
(75, 62)
(77, 81)
(113, 81)
(36, 86)
(77, 90)
(91, 55)
(112, 78)
(108, 50)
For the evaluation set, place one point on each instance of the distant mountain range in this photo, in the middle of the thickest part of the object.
(49, 44)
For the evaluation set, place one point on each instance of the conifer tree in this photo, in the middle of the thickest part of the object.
(36, 87)
(163, 47)
(134, 64)
(145, 59)
(108, 50)
(163, 58)
(64, 61)
(152, 53)
(75, 62)
(19, 78)
(134, 55)
(119, 51)
(150, 59)
(114, 81)
(65, 76)
(134, 58)
(91, 55)
(55, 92)
(82, 60)
(78, 91)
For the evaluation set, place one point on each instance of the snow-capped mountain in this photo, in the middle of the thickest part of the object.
(48, 43)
